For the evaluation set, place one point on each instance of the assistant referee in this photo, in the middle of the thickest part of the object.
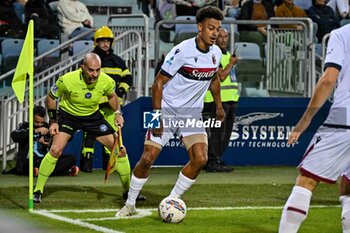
(79, 93)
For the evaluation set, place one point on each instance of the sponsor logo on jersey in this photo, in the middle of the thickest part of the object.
(103, 128)
(330, 51)
(88, 95)
(170, 61)
(203, 74)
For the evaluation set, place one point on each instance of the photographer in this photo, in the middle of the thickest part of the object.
(42, 141)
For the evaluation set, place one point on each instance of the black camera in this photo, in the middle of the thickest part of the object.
(47, 138)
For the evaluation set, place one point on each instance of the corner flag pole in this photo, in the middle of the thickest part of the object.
(24, 69)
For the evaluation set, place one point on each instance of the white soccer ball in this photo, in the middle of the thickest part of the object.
(172, 210)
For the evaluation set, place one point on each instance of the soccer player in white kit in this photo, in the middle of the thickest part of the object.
(189, 69)
(328, 155)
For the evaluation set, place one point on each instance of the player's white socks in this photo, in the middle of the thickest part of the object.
(183, 183)
(345, 214)
(295, 210)
(136, 185)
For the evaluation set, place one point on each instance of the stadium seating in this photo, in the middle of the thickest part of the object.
(248, 51)
(43, 46)
(250, 78)
(81, 45)
(181, 28)
(100, 20)
(185, 31)
(11, 49)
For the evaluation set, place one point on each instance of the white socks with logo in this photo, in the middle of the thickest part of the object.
(136, 185)
(295, 210)
(183, 183)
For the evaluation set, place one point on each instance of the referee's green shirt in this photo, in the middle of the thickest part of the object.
(78, 98)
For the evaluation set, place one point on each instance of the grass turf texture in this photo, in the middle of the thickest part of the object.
(246, 186)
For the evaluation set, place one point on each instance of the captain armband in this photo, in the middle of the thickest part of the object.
(52, 114)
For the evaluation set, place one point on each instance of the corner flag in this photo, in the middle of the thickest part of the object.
(24, 68)
(25, 65)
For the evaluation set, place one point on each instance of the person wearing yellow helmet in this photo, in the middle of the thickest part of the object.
(104, 32)
(115, 67)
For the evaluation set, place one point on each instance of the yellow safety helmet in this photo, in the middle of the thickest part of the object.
(103, 32)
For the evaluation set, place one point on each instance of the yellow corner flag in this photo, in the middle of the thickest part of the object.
(25, 65)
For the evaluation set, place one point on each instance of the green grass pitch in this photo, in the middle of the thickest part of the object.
(248, 200)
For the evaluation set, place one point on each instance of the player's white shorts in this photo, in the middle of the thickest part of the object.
(179, 124)
(328, 155)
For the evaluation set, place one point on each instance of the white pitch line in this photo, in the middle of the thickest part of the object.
(140, 213)
(75, 222)
(194, 208)
(82, 211)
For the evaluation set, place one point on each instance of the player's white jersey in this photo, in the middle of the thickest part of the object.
(338, 51)
(191, 70)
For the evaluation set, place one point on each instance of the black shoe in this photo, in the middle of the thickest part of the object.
(216, 167)
(37, 197)
(86, 162)
(222, 162)
(140, 197)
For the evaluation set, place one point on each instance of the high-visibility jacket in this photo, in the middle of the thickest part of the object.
(115, 67)
(228, 87)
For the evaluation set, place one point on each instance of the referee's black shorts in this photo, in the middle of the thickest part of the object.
(94, 124)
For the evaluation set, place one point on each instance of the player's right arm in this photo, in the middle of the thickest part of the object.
(323, 90)
(173, 61)
(51, 105)
(157, 94)
(334, 60)
(52, 111)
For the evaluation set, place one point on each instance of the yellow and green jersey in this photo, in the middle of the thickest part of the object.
(78, 98)
(228, 87)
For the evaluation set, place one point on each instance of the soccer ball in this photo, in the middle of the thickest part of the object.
(172, 210)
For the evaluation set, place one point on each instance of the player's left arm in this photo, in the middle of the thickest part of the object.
(215, 91)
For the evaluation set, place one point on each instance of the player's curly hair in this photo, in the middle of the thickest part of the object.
(209, 12)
